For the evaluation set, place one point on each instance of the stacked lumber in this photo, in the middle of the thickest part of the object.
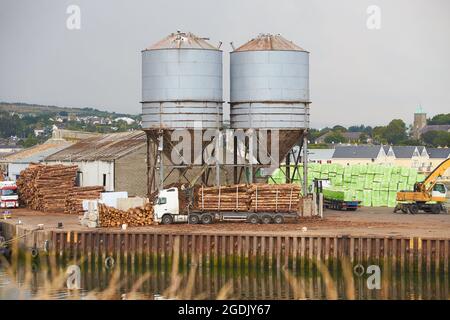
(134, 217)
(222, 198)
(74, 200)
(274, 197)
(46, 187)
(1, 175)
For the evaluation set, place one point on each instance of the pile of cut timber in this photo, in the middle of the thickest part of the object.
(274, 197)
(222, 198)
(51, 188)
(46, 188)
(74, 200)
(1, 174)
(134, 217)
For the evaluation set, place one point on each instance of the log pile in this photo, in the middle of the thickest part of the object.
(45, 188)
(74, 200)
(274, 197)
(222, 198)
(51, 188)
(134, 217)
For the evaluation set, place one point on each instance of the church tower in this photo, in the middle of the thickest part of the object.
(420, 121)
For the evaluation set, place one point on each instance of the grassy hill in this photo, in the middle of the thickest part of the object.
(36, 109)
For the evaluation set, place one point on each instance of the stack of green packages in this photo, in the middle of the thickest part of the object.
(373, 184)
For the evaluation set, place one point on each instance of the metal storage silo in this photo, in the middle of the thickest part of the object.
(181, 83)
(181, 89)
(270, 88)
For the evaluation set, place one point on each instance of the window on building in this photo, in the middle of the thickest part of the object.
(104, 179)
(78, 179)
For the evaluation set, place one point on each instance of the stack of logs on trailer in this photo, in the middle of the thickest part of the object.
(134, 217)
(252, 197)
(51, 188)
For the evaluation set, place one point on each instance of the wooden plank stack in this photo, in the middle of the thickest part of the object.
(134, 217)
(74, 200)
(274, 197)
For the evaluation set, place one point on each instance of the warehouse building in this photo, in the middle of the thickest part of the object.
(115, 161)
(13, 164)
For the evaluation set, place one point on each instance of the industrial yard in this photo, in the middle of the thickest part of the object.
(366, 222)
(226, 179)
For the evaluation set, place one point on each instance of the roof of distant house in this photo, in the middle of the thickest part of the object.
(107, 147)
(320, 154)
(438, 153)
(36, 153)
(357, 152)
(435, 127)
(348, 135)
(406, 151)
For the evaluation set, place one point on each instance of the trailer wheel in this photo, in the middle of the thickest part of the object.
(167, 219)
(278, 219)
(414, 209)
(253, 219)
(207, 218)
(193, 219)
(436, 208)
(266, 219)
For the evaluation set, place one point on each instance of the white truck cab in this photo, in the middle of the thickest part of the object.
(8, 194)
(167, 207)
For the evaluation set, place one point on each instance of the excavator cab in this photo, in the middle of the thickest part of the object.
(439, 190)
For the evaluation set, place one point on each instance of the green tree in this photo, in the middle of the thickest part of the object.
(339, 128)
(440, 119)
(395, 132)
(30, 141)
(335, 137)
(436, 138)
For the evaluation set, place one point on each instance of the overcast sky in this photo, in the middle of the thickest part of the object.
(357, 75)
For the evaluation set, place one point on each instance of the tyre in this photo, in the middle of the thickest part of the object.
(278, 219)
(193, 219)
(436, 208)
(207, 218)
(167, 219)
(414, 209)
(266, 219)
(253, 219)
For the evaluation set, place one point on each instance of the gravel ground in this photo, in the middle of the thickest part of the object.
(364, 222)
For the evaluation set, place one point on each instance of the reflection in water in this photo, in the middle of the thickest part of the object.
(47, 279)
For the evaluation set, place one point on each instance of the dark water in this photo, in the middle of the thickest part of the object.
(46, 278)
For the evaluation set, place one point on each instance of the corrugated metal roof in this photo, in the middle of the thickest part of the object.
(35, 152)
(265, 42)
(357, 152)
(182, 40)
(105, 148)
(438, 153)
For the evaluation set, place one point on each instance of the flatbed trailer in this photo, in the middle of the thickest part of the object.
(197, 217)
(341, 204)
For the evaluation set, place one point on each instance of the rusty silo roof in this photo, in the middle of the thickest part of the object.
(265, 42)
(182, 40)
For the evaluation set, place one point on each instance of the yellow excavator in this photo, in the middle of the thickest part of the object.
(428, 196)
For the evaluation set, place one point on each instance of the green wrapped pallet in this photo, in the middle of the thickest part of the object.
(384, 198)
(359, 195)
(368, 181)
(376, 186)
(401, 186)
(420, 177)
(392, 199)
(376, 198)
(339, 169)
(393, 186)
(378, 177)
(367, 198)
(404, 172)
(363, 169)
